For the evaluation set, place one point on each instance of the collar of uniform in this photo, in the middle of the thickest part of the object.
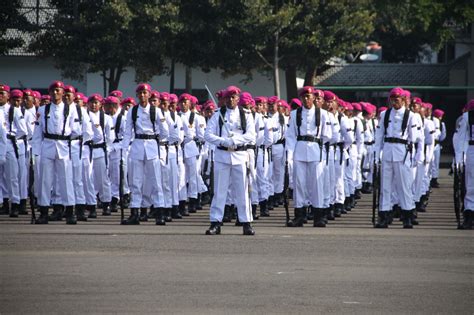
(145, 109)
(401, 110)
(60, 105)
(308, 110)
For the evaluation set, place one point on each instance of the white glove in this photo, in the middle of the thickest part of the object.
(227, 142)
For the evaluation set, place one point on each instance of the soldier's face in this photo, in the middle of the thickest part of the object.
(56, 95)
(37, 102)
(16, 101)
(69, 98)
(94, 106)
(415, 107)
(143, 97)
(271, 108)
(396, 102)
(155, 101)
(184, 105)
(3, 97)
(208, 113)
(233, 101)
(164, 105)
(318, 101)
(308, 100)
(172, 107)
(127, 106)
(79, 102)
(111, 108)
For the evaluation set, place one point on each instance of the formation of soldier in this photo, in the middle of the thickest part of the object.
(163, 156)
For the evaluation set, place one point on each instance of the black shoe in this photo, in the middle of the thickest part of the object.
(237, 222)
(43, 218)
(352, 201)
(133, 219)
(270, 203)
(247, 229)
(199, 202)
(14, 210)
(114, 205)
(92, 211)
(382, 222)
(407, 219)
(182, 209)
(254, 212)
(298, 221)
(5, 210)
(167, 215)
(159, 218)
(358, 194)
(70, 216)
(434, 183)
(366, 188)
(214, 229)
(175, 213)
(143, 214)
(467, 220)
(205, 198)
(233, 211)
(192, 205)
(80, 213)
(396, 211)
(22, 208)
(347, 204)
(57, 214)
(330, 213)
(338, 210)
(264, 209)
(126, 201)
(227, 214)
(106, 209)
(318, 220)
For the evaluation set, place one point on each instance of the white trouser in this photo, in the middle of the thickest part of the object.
(329, 182)
(349, 176)
(101, 179)
(426, 178)
(367, 165)
(263, 174)
(182, 190)
(339, 171)
(435, 161)
(145, 178)
(56, 172)
(166, 182)
(89, 188)
(201, 186)
(308, 181)
(114, 173)
(174, 180)
(396, 177)
(224, 176)
(419, 171)
(278, 176)
(79, 195)
(12, 176)
(253, 177)
(469, 175)
(24, 175)
(191, 176)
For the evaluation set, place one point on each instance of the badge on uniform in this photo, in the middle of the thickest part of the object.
(162, 120)
(175, 126)
(97, 125)
(77, 120)
(201, 126)
(190, 126)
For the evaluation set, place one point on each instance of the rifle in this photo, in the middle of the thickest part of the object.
(286, 183)
(31, 184)
(457, 194)
(211, 177)
(121, 182)
(376, 189)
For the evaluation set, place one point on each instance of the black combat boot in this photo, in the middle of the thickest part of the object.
(338, 210)
(330, 213)
(389, 217)
(318, 220)
(233, 211)
(92, 211)
(247, 229)
(106, 208)
(422, 204)
(270, 203)
(192, 205)
(206, 198)
(237, 221)
(43, 218)
(407, 219)
(182, 208)
(414, 217)
(57, 214)
(434, 183)
(126, 200)
(133, 219)
(352, 201)
(22, 208)
(159, 218)
(175, 213)
(263, 209)
(70, 216)
(254, 212)
(382, 222)
(199, 202)
(309, 214)
(347, 204)
(6, 207)
(114, 205)
(396, 211)
(298, 221)
(214, 229)
(467, 220)
(227, 214)
(143, 214)
(14, 210)
(80, 213)
(358, 194)
(167, 215)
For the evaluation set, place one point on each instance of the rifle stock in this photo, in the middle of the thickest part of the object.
(121, 182)
(31, 183)
(457, 194)
(285, 189)
(375, 189)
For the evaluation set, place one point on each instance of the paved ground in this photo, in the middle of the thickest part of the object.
(348, 267)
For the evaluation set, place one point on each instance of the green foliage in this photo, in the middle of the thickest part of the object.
(11, 18)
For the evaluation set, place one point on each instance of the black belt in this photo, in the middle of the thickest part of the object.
(164, 143)
(251, 146)
(369, 142)
(96, 145)
(145, 137)
(239, 148)
(395, 140)
(13, 139)
(76, 138)
(117, 140)
(53, 136)
(437, 142)
(281, 141)
(309, 139)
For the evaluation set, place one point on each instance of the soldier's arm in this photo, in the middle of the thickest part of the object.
(20, 123)
(212, 131)
(379, 135)
(87, 132)
(38, 132)
(73, 125)
(128, 131)
(161, 125)
(347, 136)
(109, 131)
(291, 133)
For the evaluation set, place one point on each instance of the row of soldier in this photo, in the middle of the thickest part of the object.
(171, 157)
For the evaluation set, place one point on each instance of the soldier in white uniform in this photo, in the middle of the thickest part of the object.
(56, 125)
(309, 128)
(440, 136)
(280, 123)
(231, 129)
(145, 125)
(394, 134)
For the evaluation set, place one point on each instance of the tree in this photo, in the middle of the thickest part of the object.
(12, 19)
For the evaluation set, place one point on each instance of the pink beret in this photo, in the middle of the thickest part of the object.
(349, 106)
(428, 105)
(220, 94)
(283, 103)
(272, 99)
(111, 100)
(143, 86)
(261, 99)
(173, 98)
(164, 96)
(95, 97)
(69, 89)
(4, 87)
(469, 106)
(198, 108)
(27, 92)
(406, 93)
(231, 90)
(382, 109)
(37, 94)
(194, 100)
(306, 90)
(329, 96)
(45, 97)
(79, 95)
(130, 100)
(116, 93)
(155, 94)
(417, 100)
(296, 101)
(16, 94)
(357, 107)
(369, 109)
(56, 84)
(396, 92)
(438, 113)
(319, 93)
(185, 96)
(245, 99)
(209, 105)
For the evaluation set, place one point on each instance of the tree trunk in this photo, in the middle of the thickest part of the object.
(310, 76)
(291, 88)
(172, 76)
(104, 77)
(189, 80)
(276, 68)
